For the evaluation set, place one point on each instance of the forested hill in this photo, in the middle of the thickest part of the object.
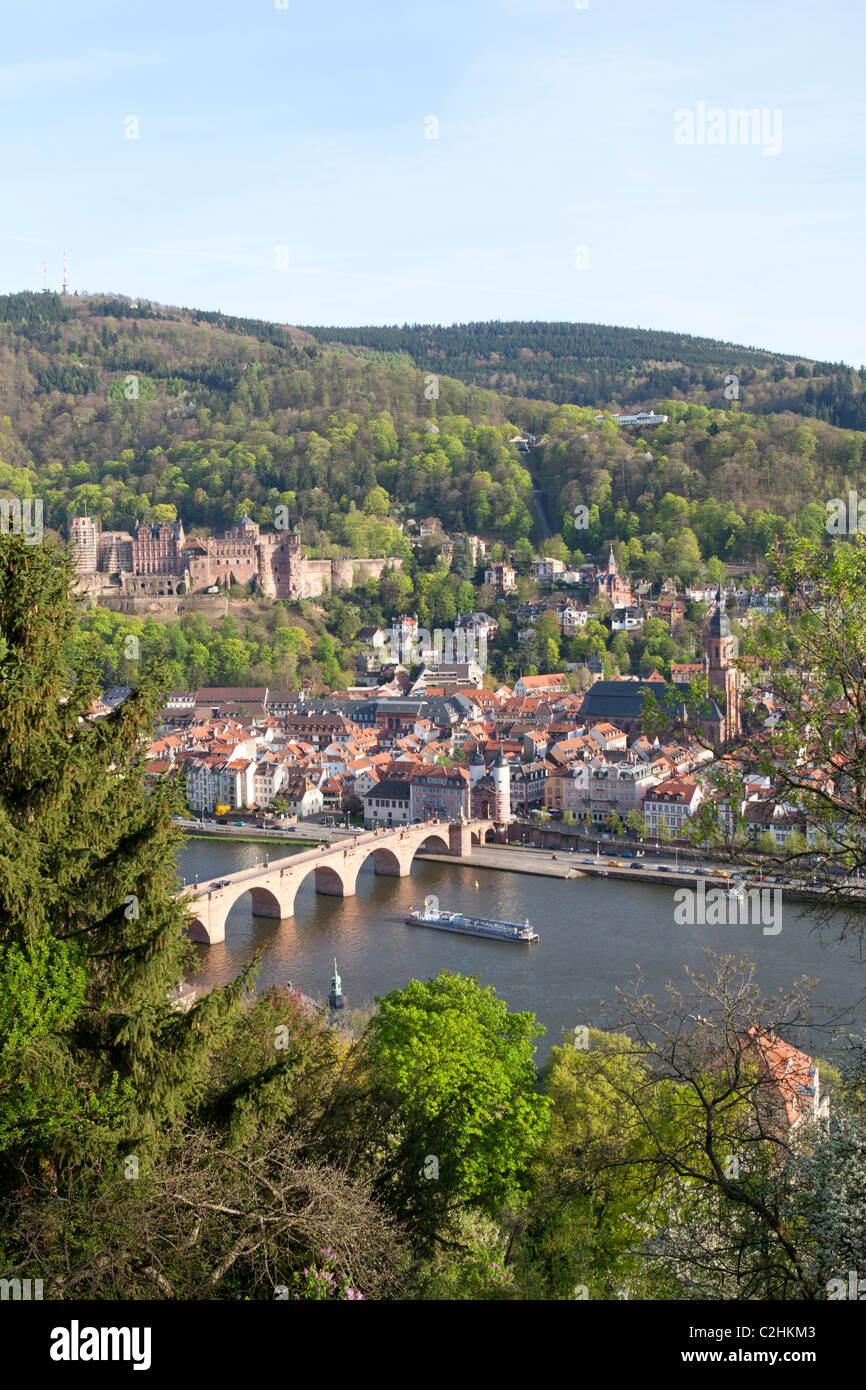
(141, 411)
(617, 368)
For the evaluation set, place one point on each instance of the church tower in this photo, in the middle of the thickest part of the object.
(724, 676)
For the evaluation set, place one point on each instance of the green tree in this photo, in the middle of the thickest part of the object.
(465, 597)
(523, 554)
(588, 1197)
(87, 883)
(377, 502)
(635, 822)
(457, 1071)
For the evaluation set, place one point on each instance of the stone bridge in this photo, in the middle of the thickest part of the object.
(274, 886)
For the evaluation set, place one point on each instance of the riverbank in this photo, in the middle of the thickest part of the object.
(543, 862)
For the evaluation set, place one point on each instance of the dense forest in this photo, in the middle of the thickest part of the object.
(135, 411)
(618, 368)
(138, 415)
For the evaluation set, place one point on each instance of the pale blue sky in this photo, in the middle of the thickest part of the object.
(304, 128)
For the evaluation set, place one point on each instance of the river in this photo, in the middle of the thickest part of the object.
(593, 934)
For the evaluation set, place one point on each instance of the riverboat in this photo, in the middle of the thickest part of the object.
(431, 916)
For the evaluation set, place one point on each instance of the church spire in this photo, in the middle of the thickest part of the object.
(720, 623)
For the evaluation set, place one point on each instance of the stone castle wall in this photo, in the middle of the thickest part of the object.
(272, 561)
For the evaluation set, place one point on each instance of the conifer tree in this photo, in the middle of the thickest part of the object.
(94, 1057)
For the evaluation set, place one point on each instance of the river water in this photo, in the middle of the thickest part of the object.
(593, 935)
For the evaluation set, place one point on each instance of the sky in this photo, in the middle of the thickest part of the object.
(346, 163)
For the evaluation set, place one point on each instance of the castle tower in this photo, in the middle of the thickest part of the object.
(82, 539)
(267, 583)
(724, 676)
(501, 775)
(246, 530)
(290, 579)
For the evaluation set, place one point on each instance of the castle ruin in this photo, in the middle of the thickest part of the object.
(156, 558)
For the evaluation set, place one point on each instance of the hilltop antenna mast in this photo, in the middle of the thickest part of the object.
(65, 275)
(45, 274)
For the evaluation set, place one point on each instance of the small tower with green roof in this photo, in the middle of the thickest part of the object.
(336, 998)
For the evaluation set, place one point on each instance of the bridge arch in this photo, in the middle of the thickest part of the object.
(197, 931)
(324, 878)
(433, 844)
(385, 861)
(264, 904)
(331, 881)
